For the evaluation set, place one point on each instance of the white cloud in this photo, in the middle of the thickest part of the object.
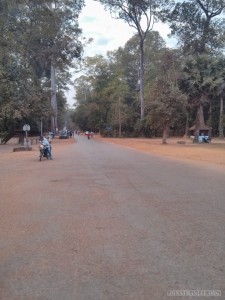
(107, 33)
(164, 30)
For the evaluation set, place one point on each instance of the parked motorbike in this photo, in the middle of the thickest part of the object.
(43, 152)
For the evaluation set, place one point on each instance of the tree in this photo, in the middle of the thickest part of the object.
(135, 13)
(58, 32)
(167, 104)
(86, 114)
(198, 26)
(110, 85)
(34, 36)
(203, 79)
(217, 88)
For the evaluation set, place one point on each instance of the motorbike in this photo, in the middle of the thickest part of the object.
(43, 152)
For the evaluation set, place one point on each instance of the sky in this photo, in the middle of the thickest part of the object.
(107, 33)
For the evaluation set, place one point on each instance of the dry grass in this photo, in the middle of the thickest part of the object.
(213, 152)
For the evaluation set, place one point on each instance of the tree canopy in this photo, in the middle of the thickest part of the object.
(33, 35)
(140, 15)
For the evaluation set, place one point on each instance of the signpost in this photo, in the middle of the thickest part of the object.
(41, 119)
(26, 128)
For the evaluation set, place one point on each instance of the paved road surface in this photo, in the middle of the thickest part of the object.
(102, 222)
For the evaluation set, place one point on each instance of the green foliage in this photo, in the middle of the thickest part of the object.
(166, 102)
(140, 15)
(203, 75)
(33, 35)
(198, 25)
(110, 88)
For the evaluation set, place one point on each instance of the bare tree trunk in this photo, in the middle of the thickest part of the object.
(119, 118)
(165, 134)
(221, 134)
(142, 80)
(187, 125)
(54, 125)
(209, 122)
(199, 122)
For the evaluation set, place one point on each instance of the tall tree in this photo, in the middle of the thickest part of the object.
(110, 86)
(199, 28)
(203, 80)
(216, 84)
(58, 31)
(166, 103)
(39, 34)
(141, 15)
(198, 25)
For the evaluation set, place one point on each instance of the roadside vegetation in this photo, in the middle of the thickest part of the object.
(142, 89)
(39, 41)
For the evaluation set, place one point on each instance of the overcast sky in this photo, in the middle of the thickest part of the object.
(107, 33)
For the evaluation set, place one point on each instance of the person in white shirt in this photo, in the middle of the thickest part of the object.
(46, 144)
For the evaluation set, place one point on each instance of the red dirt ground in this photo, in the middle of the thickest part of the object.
(213, 152)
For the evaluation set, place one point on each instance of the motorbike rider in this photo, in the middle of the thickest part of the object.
(88, 134)
(44, 141)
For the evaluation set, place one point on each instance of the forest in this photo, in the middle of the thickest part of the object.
(141, 89)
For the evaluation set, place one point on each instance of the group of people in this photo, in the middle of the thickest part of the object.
(203, 138)
(89, 134)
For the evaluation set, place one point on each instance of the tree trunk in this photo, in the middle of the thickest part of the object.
(221, 134)
(119, 118)
(142, 79)
(187, 125)
(209, 121)
(165, 134)
(199, 122)
(54, 125)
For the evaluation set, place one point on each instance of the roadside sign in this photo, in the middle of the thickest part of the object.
(26, 127)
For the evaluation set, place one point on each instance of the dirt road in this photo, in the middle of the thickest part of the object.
(105, 222)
